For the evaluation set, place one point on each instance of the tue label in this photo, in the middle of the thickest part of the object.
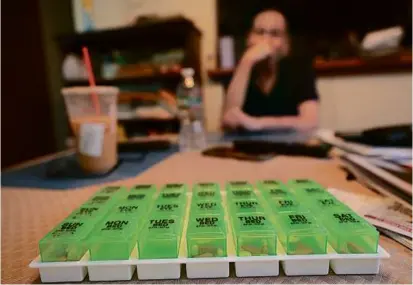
(91, 139)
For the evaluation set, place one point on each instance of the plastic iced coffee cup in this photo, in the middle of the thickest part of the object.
(95, 129)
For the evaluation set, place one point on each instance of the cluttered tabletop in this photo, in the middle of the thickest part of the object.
(33, 203)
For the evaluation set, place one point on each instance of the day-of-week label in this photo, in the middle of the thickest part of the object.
(127, 209)
(206, 205)
(346, 218)
(161, 223)
(68, 228)
(170, 195)
(206, 184)
(299, 220)
(117, 225)
(242, 193)
(134, 197)
(286, 203)
(252, 220)
(143, 186)
(238, 183)
(110, 189)
(314, 190)
(276, 191)
(302, 181)
(167, 207)
(247, 204)
(327, 202)
(87, 211)
(99, 199)
(270, 182)
(175, 185)
(206, 222)
(204, 194)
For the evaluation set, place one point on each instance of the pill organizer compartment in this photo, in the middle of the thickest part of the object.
(206, 236)
(160, 238)
(254, 235)
(239, 185)
(285, 205)
(301, 234)
(88, 213)
(206, 192)
(113, 238)
(66, 242)
(245, 206)
(175, 187)
(172, 207)
(241, 194)
(149, 189)
(349, 233)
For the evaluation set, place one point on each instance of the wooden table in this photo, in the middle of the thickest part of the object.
(28, 214)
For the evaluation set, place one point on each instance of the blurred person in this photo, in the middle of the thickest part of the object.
(271, 89)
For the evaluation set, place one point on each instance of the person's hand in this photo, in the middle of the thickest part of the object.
(257, 52)
(235, 117)
(231, 118)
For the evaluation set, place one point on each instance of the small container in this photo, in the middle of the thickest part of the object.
(176, 208)
(239, 185)
(113, 191)
(130, 210)
(138, 197)
(301, 234)
(113, 238)
(175, 187)
(308, 189)
(350, 233)
(161, 237)
(264, 184)
(241, 194)
(319, 205)
(171, 197)
(66, 242)
(100, 201)
(254, 235)
(206, 236)
(206, 207)
(276, 192)
(245, 206)
(285, 205)
(206, 192)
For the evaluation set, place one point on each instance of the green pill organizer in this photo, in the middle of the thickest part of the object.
(301, 234)
(254, 235)
(113, 238)
(285, 205)
(350, 233)
(207, 207)
(206, 236)
(161, 237)
(66, 242)
(206, 192)
(245, 206)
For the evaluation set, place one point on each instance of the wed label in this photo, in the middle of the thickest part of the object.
(91, 139)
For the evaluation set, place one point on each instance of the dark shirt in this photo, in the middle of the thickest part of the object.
(295, 83)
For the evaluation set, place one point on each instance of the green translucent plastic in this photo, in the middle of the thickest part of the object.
(175, 187)
(239, 185)
(263, 184)
(100, 201)
(114, 191)
(319, 205)
(241, 194)
(171, 197)
(206, 207)
(163, 207)
(206, 192)
(308, 189)
(113, 238)
(206, 236)
(161, 237)
(66, 242)
(350, 233)
(138, 197)
(254, 235)
(130, 211)
(300, 233)
(245, 206)
(276, 192)
(149, 189)
(88, 213)
(285, 205)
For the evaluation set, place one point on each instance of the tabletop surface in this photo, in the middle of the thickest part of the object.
(28, 214)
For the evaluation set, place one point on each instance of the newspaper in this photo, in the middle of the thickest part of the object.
(382, 212)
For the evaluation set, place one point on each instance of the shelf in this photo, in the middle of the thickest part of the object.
(349, 66)
(166, 32)
(171, 77)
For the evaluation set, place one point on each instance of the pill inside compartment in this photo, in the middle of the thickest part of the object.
(350, 233)
(114, 237)
(206, 235)
(160, 238)
(67, 241)
(301, 234)
(254, 235)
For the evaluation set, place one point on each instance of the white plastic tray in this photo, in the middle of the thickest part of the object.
(213, 267)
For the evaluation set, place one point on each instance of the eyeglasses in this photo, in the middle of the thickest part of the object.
(273, 32)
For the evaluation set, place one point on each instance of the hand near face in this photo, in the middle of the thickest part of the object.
(258, 52)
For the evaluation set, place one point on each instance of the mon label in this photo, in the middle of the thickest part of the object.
(115, 225)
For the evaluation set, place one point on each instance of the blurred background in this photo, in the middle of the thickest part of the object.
(364, 78)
